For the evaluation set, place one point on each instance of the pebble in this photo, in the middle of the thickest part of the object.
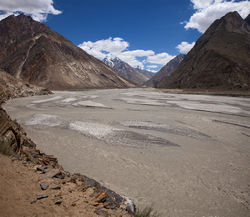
(56, 187)
(58, 202)
(39, 197)
(44, 186)
(52, 173)
(101, 213)
(101, 198)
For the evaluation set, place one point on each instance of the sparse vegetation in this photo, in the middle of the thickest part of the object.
(146, 212)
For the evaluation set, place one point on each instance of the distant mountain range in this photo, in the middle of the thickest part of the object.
(34, 53)
(165, 71)
(220, 58)
(135, 75)
(31, 51)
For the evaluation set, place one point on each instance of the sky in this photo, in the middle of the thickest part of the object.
(144, 33)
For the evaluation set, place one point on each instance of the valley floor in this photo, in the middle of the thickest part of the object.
(186, 155)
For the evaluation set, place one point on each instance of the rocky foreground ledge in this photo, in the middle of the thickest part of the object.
(34, 184)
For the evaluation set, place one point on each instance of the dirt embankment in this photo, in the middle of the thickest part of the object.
(11, 87)
(34, 184)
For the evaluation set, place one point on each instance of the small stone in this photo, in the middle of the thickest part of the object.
(44, 186)
(101, 198)
(40, 168)
(101, 213)
(39, 197)
(58, 202)
(110, 206)
(59, 176)
(92, 195)
(52, 173)
(56, 187)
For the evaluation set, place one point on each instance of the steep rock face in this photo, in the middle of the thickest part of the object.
(165, 71)
(220, 58)
(126, 71)
(11, 87)
(34, 53)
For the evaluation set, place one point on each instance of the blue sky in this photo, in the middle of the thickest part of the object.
(145, 24)
(144, 33)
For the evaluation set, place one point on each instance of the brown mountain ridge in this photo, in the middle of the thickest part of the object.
(31, 51)
(166, 70)
(220, 58)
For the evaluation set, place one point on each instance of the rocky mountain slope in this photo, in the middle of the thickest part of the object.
(165, 71)
(220, 58)
(126, 71)
(146, 73)
(31, 51)
(11, 87)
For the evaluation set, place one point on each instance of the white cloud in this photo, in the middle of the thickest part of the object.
(118, 47)
(38, 9)
(161, 58)
(184, 47)
(151, 70)
(207, 11)
(152, 66)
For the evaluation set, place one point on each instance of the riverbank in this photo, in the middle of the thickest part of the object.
(232, 93)
(34, 184)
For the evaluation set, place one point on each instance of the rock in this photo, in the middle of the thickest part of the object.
(58, 202)
(101, 198)
(44, 186)
(109, 206)
(41, 168)
(42, 196)
(56, 187)
(52, 173)
(101, 212)
(130, 206)
(59, 176)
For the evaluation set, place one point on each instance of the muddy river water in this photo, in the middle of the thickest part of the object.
(185, 155)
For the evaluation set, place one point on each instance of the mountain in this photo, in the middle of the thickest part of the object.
(165, 71)
(36, 54)
(126, 71)
(220, 58)
(145, 72)
(11, 87)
